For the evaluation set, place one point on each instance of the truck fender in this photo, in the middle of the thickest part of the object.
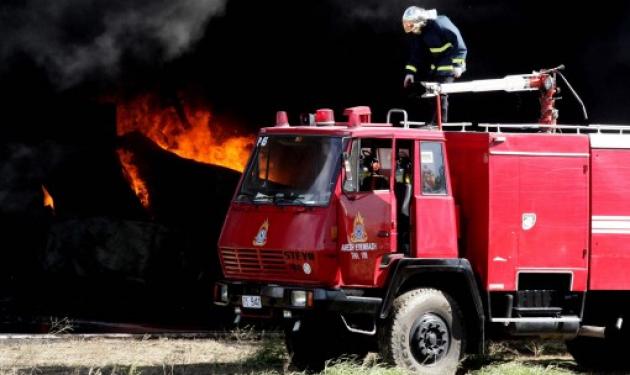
(406, 270)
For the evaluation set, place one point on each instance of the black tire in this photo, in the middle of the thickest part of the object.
(424, 333)
(598, 354)
(319, 341)
(306, 352)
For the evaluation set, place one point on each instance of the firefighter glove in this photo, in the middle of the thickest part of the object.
(459, 70)
(408, 80)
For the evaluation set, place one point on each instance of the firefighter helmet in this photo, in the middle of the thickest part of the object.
(414, 18)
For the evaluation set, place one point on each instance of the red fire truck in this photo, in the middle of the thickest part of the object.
(421, 241)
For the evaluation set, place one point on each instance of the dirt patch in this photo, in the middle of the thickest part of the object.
(146, 356)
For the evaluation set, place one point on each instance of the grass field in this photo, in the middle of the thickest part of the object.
(237, 352)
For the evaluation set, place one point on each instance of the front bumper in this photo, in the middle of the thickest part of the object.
(277, 298)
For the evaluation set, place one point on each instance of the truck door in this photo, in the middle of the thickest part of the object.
(435, 223)
(366, 217)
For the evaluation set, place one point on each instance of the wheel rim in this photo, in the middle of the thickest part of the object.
(430, 339)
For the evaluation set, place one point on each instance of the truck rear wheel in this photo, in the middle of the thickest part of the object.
(424, 333)
(598, 354)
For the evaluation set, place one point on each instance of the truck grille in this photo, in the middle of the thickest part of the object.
(255, 262)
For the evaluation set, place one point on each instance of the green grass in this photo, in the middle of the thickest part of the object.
(272, 354)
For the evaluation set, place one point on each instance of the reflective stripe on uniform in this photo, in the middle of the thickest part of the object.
(444, 68)
(441, 49)
(411, 67)
(432, 67)
(458, 60)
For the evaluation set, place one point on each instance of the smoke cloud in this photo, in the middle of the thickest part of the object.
(75, 38)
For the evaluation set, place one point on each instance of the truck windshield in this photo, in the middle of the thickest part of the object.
(292, 170)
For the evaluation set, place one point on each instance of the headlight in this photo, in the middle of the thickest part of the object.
(221, 293)
(298, 298)
(301, 298)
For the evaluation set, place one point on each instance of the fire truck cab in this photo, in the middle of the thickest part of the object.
(419, 242)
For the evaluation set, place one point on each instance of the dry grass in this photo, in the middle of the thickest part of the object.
(228, 355)
(99, 352)
(239, 352)
(526, 357)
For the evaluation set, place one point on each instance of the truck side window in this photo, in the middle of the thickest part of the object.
(432, 173)
(370, 165)
(375, 164)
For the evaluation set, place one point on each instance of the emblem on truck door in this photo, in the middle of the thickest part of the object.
(261, 236)
(358, 230)
(528, 221)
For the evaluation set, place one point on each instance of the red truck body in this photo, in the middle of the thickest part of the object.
(528, 232)
(496, 178)
(576, 185)
(316, 235)
(503, 180)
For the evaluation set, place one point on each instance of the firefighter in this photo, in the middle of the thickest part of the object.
(437, 49)
(375, 180)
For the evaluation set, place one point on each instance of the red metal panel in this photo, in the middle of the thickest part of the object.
(556, 190)
(299, 235)
(503, 223)
(537, 142)
(365, 226)
(435, 226)
(468, 164)
(610, 254)
(539, 207)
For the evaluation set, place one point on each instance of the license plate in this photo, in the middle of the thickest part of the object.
(252, 302)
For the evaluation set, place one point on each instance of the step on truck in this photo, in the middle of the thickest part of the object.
(421, 241)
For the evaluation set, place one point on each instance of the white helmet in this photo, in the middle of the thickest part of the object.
(414, 18)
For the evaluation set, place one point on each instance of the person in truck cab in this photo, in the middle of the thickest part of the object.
(403, 190)
(429, 180)
(374, 180)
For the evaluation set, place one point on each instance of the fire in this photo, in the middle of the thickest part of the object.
(186, 131)
(131, 172)
(48, 200)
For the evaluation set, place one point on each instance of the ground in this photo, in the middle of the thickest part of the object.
(235, 352)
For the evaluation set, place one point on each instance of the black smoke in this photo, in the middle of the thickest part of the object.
(72, 39)
(252, 58)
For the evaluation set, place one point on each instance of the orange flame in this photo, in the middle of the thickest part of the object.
(132, 175)
(48, 200)
(186, 131)
(190, 134)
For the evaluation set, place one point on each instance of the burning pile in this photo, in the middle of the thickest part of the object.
(48, 200)
(188, 131)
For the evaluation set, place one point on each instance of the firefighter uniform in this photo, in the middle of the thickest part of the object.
(438, 53)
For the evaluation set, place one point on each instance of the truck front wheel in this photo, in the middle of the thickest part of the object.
(424, 333)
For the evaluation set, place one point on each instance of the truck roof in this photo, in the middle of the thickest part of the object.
(359, 124)
(362, 130)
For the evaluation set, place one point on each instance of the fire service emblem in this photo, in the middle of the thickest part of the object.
(261, 236)
(358, 230)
